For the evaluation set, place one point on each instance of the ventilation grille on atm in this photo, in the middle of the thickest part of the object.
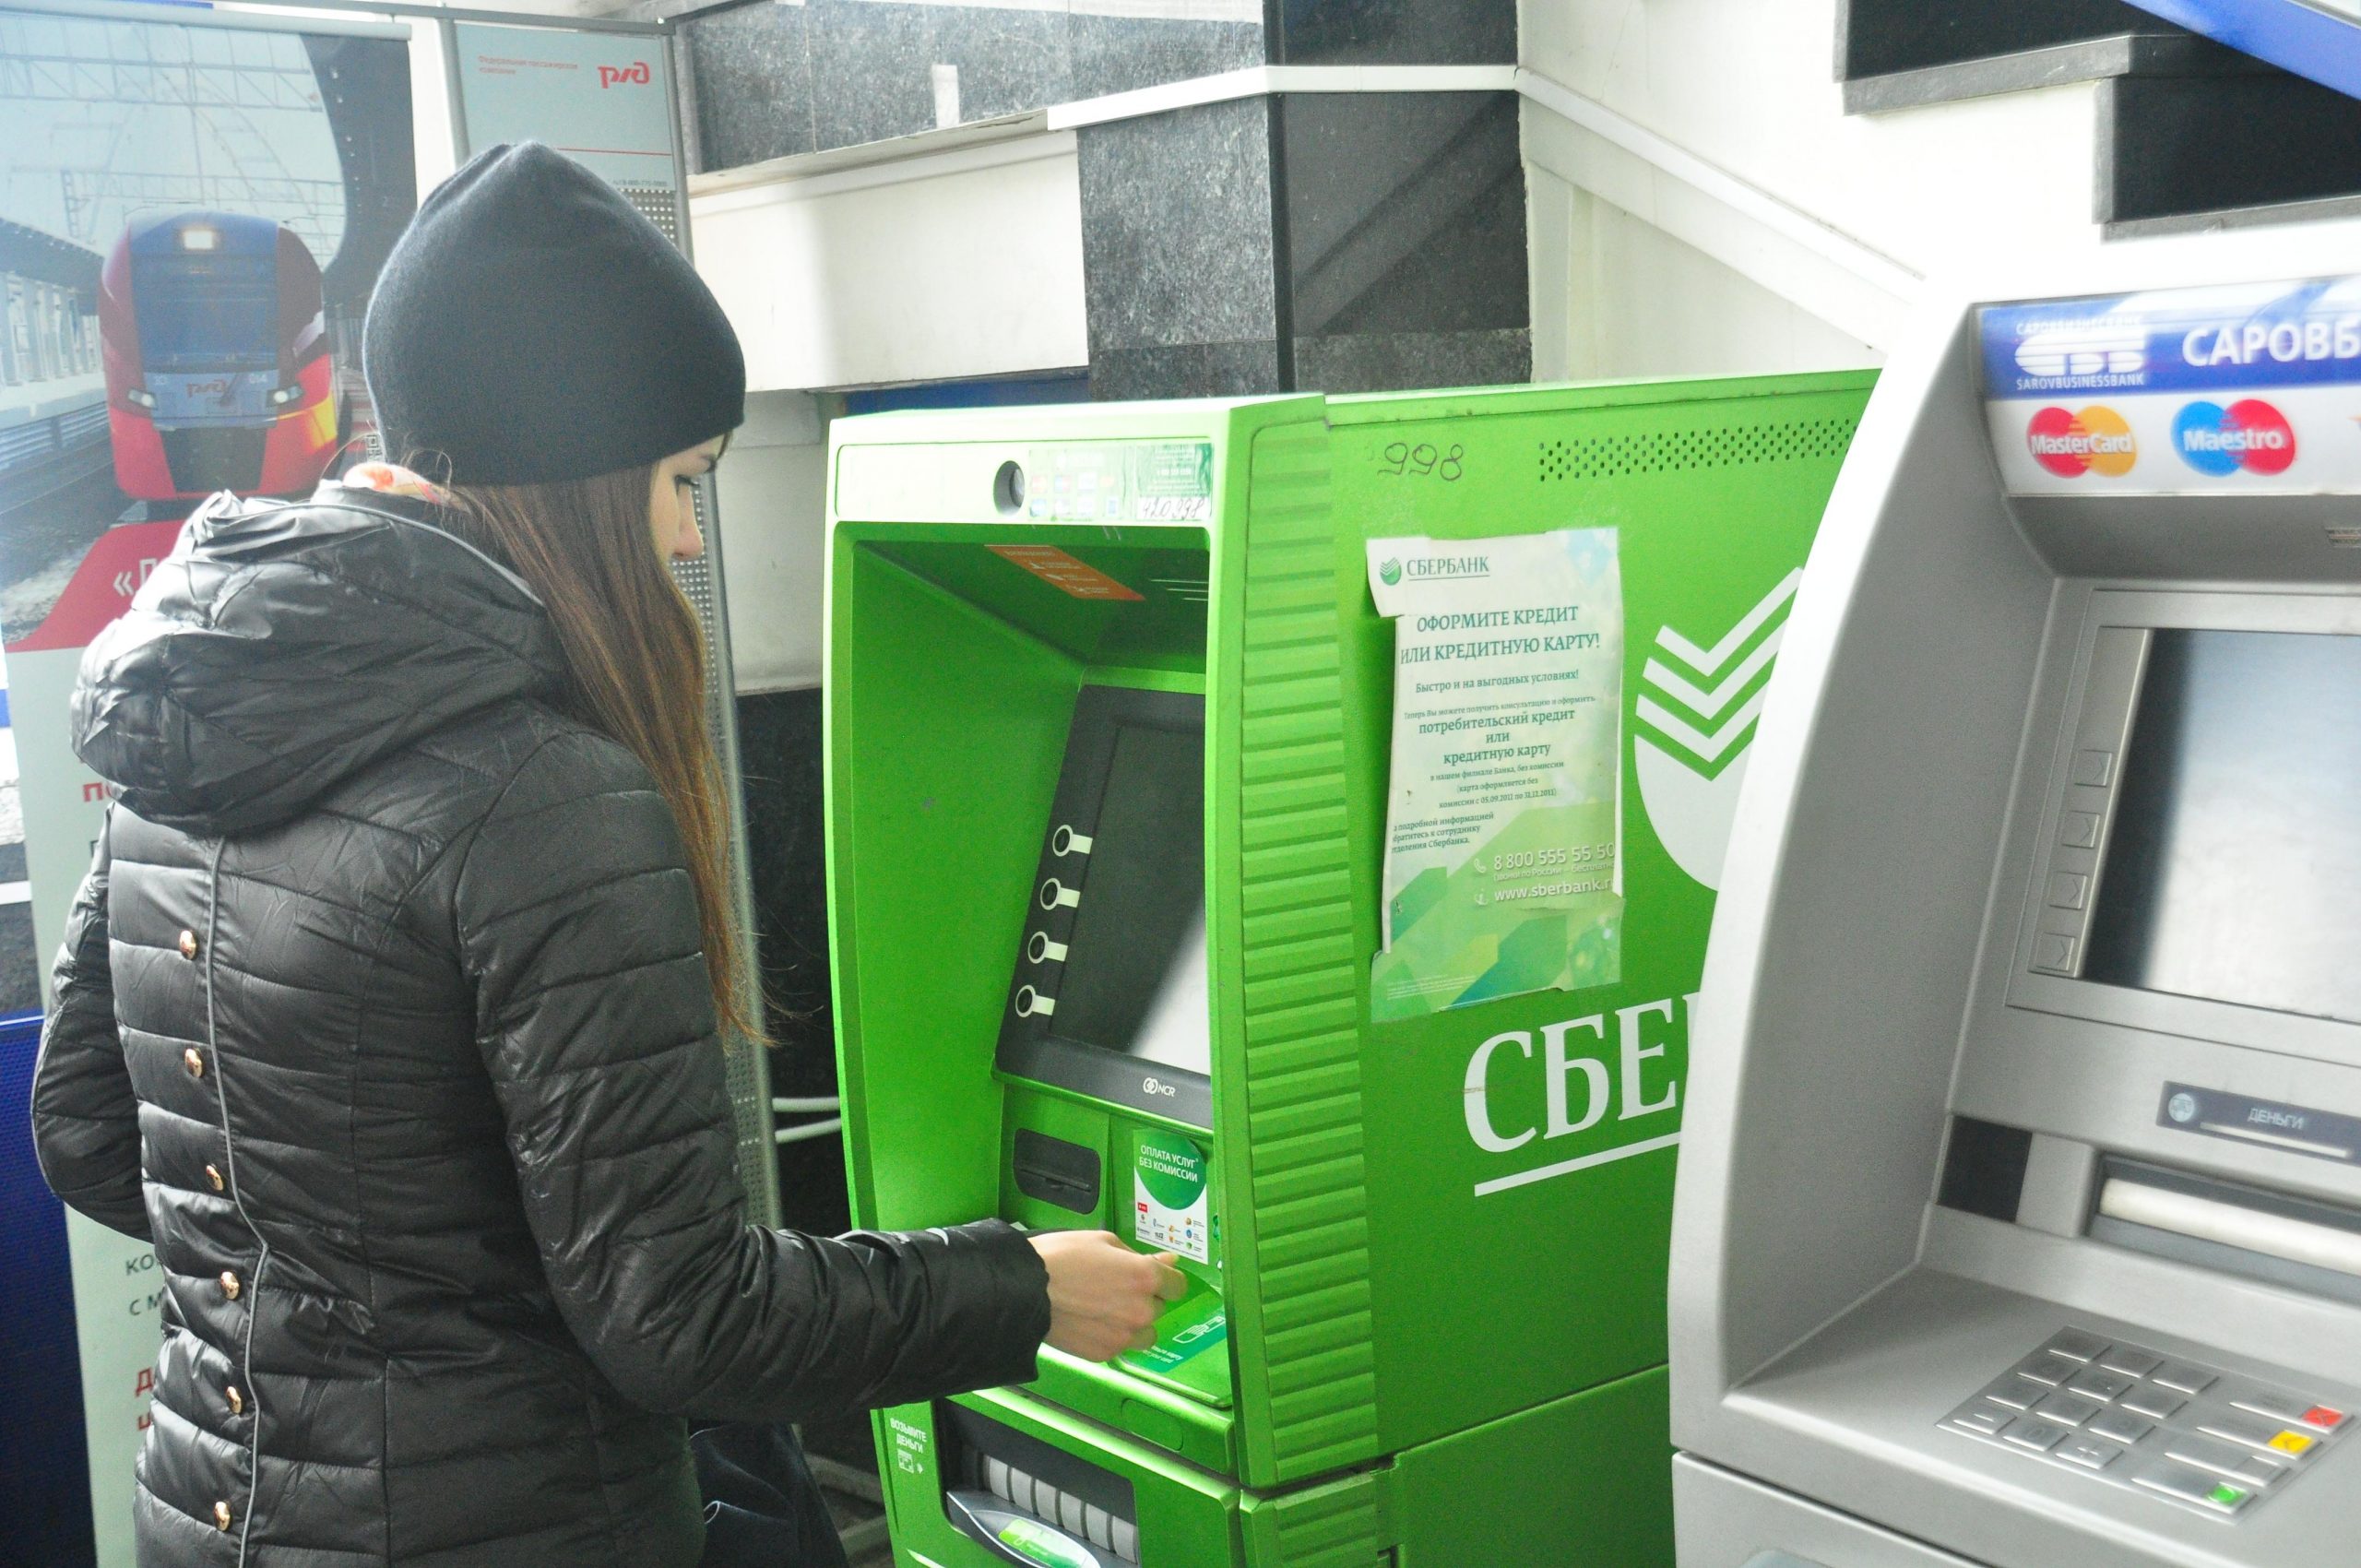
(1648, 452)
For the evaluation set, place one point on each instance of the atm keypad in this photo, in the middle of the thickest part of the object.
(2208, 1439)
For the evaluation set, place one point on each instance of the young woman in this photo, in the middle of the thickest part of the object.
(388, 1011)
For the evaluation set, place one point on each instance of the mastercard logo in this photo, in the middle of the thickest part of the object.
(2094, 441)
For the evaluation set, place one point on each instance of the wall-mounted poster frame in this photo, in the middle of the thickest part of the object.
(196, 205)
(117, 1287)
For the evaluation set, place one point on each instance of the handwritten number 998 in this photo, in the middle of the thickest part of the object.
(1424, 461)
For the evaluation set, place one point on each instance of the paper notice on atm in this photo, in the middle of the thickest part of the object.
(1503, 817)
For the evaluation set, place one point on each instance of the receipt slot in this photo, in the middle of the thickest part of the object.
(1109, 715)
(2019, 1218)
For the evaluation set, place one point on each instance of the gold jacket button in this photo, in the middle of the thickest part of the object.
(194, 1059)
(213, 1174)
(221, 1516)
(237, 1400)
(229, 1286)
(188, 944)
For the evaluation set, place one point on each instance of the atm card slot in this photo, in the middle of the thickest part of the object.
(1056, 1172)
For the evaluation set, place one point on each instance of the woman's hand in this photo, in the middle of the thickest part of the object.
(1104, 1297)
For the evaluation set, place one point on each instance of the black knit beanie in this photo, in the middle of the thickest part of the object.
(530, 326)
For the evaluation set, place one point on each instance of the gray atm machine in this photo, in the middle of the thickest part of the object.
(2019, 1219)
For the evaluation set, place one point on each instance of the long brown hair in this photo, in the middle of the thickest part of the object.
(636, 656)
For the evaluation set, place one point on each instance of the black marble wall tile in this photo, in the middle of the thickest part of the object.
(1405, 213)
(870, 77)
(1010, 59)
(1177, 241)
(752, 70)
(1123, 53)
(1187, 370)
(1395, 33)
(778, 746)
(1874, 37)
(1400, 362)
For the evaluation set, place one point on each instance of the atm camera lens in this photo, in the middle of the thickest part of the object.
(1008, 489)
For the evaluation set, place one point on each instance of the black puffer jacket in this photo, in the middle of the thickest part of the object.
(387, 981)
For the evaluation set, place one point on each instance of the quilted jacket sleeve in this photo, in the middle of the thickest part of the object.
(578, 926)
(85, 1119)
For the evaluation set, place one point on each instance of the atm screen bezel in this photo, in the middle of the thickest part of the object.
(1031, 1048)
(2095, 705)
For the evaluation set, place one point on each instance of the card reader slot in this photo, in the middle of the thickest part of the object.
(2234, 1227)
(1056, 1172)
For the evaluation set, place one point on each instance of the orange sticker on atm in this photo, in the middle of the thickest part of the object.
(1063, 572)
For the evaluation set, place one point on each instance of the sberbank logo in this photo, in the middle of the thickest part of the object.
(1441, 568)
(1389, 572)
(1694, 726)
(1522, 1093)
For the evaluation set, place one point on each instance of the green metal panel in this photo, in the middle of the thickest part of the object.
(1339, 1524)
(1414, 1322)
(1283, 901)
(1715, 490)
(1581, 1482)
(1187, 1518)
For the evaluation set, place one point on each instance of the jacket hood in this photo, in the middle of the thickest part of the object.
(281, 648)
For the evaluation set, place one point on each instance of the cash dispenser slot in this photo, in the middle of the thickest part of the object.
(2301, 1242)
(1029, 1503)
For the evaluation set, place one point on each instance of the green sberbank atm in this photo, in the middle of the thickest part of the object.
(1112, 756)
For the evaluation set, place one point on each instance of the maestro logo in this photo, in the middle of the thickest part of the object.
(2248, 434)
(2095, 441)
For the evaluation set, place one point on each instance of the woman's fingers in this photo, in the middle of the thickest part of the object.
(1172, 1283)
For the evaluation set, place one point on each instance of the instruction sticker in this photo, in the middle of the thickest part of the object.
(1503, 869)
(1061, 571)
(1169, 1209)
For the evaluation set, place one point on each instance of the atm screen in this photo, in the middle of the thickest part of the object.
(2236, 855)
(1108, 995)
(1134, 976)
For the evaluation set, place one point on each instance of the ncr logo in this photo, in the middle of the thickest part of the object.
(633, 74)
(2248, 434)
(2095, 441)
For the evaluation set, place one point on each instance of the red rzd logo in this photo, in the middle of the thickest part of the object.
(610, 76)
